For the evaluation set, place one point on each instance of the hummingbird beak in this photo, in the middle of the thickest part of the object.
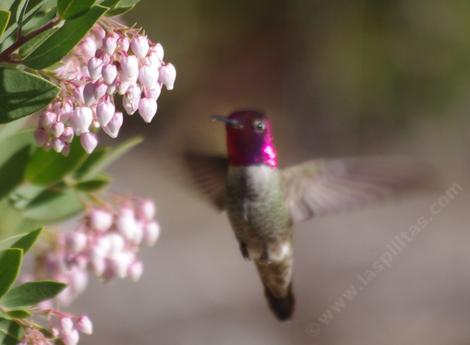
(231, 122)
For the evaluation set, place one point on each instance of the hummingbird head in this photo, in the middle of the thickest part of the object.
(249, 138)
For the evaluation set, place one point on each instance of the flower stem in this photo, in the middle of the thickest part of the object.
(6, 55)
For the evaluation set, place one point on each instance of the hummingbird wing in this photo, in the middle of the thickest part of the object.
(325, 186)
(208, 174)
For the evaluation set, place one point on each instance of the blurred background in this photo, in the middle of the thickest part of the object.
(338, 78)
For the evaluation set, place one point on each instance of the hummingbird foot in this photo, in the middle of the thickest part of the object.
(244, 251)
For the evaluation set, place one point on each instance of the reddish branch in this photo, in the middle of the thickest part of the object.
(6, 54)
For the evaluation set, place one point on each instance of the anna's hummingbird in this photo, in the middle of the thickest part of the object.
(263, 202)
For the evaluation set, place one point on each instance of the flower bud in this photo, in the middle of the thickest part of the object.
(151, 233)
(57, 129)
(47, 119)
(98, 264)
(76, 241)
(100, 90)
(120, 264)
(135, 270)
(109, 73)
(140, 46)
(148, 77)
(79, 278)
(110, 43)
(88, 48)
(81, 119)
(126, 224)
(84, 325)
(67, 136)
(71, 338)
(94, 68)
(147, 109)
(123, 87)
(88, 141)
(131, 99)
(129, 69)
(41, 136)
(116, 242)
(105, 111)
(99, 32)
(153, 93)
(112, 128)
(66, 324)
(100, 220)
(146, 210)
(167, 76)
(124, 44)
(159, 51)
(58, 145)
(89, 95)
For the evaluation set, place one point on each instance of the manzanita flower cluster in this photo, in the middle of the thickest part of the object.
(112, 60)
(106, 243)
(65, 327)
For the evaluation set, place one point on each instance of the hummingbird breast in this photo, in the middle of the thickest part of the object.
(256, 208)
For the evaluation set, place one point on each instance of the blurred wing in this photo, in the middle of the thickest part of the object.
(208, 174)
(320, 187)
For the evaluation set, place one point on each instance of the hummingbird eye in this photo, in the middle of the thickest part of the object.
(259, 126)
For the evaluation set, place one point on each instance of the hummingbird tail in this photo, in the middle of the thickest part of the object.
(282, 307)
(277, 280)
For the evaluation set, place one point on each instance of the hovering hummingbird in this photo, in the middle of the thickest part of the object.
(264, 202)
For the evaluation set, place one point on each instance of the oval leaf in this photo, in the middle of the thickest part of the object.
(93, 185)
(96, 162)
(61, 42)
(52, 206)
(22, 93)
(10, 263)
(70, 8)
(19, 314)
(27, 241)
(49, 167)
(4, 19)
(12, 171)
(31, 293)
(10, 332)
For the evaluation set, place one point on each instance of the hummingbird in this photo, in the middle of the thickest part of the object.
(264, 202)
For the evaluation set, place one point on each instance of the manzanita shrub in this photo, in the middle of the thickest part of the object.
(71, 70)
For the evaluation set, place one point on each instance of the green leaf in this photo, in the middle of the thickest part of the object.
(118, 7)
(20, 12)
(12, 171)
(13, 27)
(70, 8)
(32, 293)
(32, 44)
(10, 332)
(12, 143)
(27, 241)
(23, 93)
(4, 19)
(13, 222)
(6, 4)
(24, 194)
(10, 263)
(93, 185)
(50, 167)
(63, 40)
(11, 128)
(96, 162)
(53, 206)
(19, 314)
